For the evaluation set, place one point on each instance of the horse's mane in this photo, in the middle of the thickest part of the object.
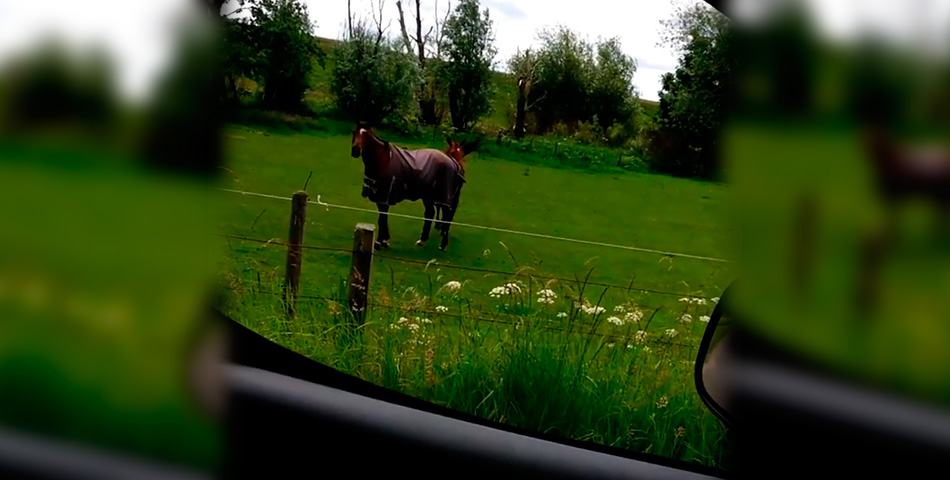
(365, 126)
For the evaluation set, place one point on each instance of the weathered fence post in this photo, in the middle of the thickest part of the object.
(298, 218)
(357, 290)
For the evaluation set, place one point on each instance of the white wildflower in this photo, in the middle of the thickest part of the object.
(403, 320)
(634, 316)
(629, 346)
(615, 320)
(414, 327)
(562, 315)
(700, 301)
(716, 300)
(547, 293)
(646, 349)
(610, 345)
(453, 285)
(442, 309)
(619, 309)
(507, 289)
(704, 319)
(663, 402)
(671, 332)
(487, 252)
(426, 320)
(686, 318)
(640, 336)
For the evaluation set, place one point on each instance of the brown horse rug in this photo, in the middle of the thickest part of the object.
(426, 174)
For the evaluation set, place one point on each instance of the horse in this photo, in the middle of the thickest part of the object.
(901, 172)
(392, 174)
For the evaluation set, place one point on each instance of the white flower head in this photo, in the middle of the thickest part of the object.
(671, 332)
(634, 316)
(716, 299)
(620, 309)
(704, 319)
(686, 318)
(403, 320)
(562, 315)
(426, 320)
(610, 345)
(615, 320)
(640, 336)
(442, 309)
(453, 285)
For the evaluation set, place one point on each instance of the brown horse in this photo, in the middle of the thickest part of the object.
(392, 174)
(901, 172)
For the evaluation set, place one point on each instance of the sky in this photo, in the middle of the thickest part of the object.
(141, 35)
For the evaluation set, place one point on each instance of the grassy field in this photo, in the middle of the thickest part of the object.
(621, 376)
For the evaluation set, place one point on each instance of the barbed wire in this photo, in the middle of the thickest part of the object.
(474, 269)
(327, 205)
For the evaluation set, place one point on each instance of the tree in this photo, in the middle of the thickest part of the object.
(470, 52)
(426, 47)
(373, 79)
(696, 98)
(565, 65)
(613, 97)
(286, 48)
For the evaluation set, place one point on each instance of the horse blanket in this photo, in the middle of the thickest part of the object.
(426, 174)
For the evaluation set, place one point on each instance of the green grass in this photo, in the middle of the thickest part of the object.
(513, 360)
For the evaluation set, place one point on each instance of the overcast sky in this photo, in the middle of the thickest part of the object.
(141, 37)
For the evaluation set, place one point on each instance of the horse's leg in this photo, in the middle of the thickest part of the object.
(427, 227)
(382, 239)
(448, 214)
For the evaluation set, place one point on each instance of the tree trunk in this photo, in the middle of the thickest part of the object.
(522, 104)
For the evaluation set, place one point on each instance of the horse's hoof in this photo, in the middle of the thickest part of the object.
(420, 243)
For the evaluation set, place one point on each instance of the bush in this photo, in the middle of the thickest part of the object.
(374, 82)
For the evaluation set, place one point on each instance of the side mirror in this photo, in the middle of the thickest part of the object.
(713, 360)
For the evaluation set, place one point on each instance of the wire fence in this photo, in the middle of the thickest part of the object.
(523, 272)
(480, 316)
(327, 205)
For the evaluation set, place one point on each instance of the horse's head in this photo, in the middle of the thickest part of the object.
(359, 139)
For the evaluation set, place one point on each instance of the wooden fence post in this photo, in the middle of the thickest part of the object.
(357, 289)
(298, 218)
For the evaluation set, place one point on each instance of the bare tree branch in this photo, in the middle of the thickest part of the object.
(440, 27)
(420, 40)
(349, 17)
(402, 27)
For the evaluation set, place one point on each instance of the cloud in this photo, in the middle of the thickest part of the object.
(509, 9)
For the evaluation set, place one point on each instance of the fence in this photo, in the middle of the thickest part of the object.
(363, 254)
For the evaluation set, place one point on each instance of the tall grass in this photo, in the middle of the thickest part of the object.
(563, 368)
